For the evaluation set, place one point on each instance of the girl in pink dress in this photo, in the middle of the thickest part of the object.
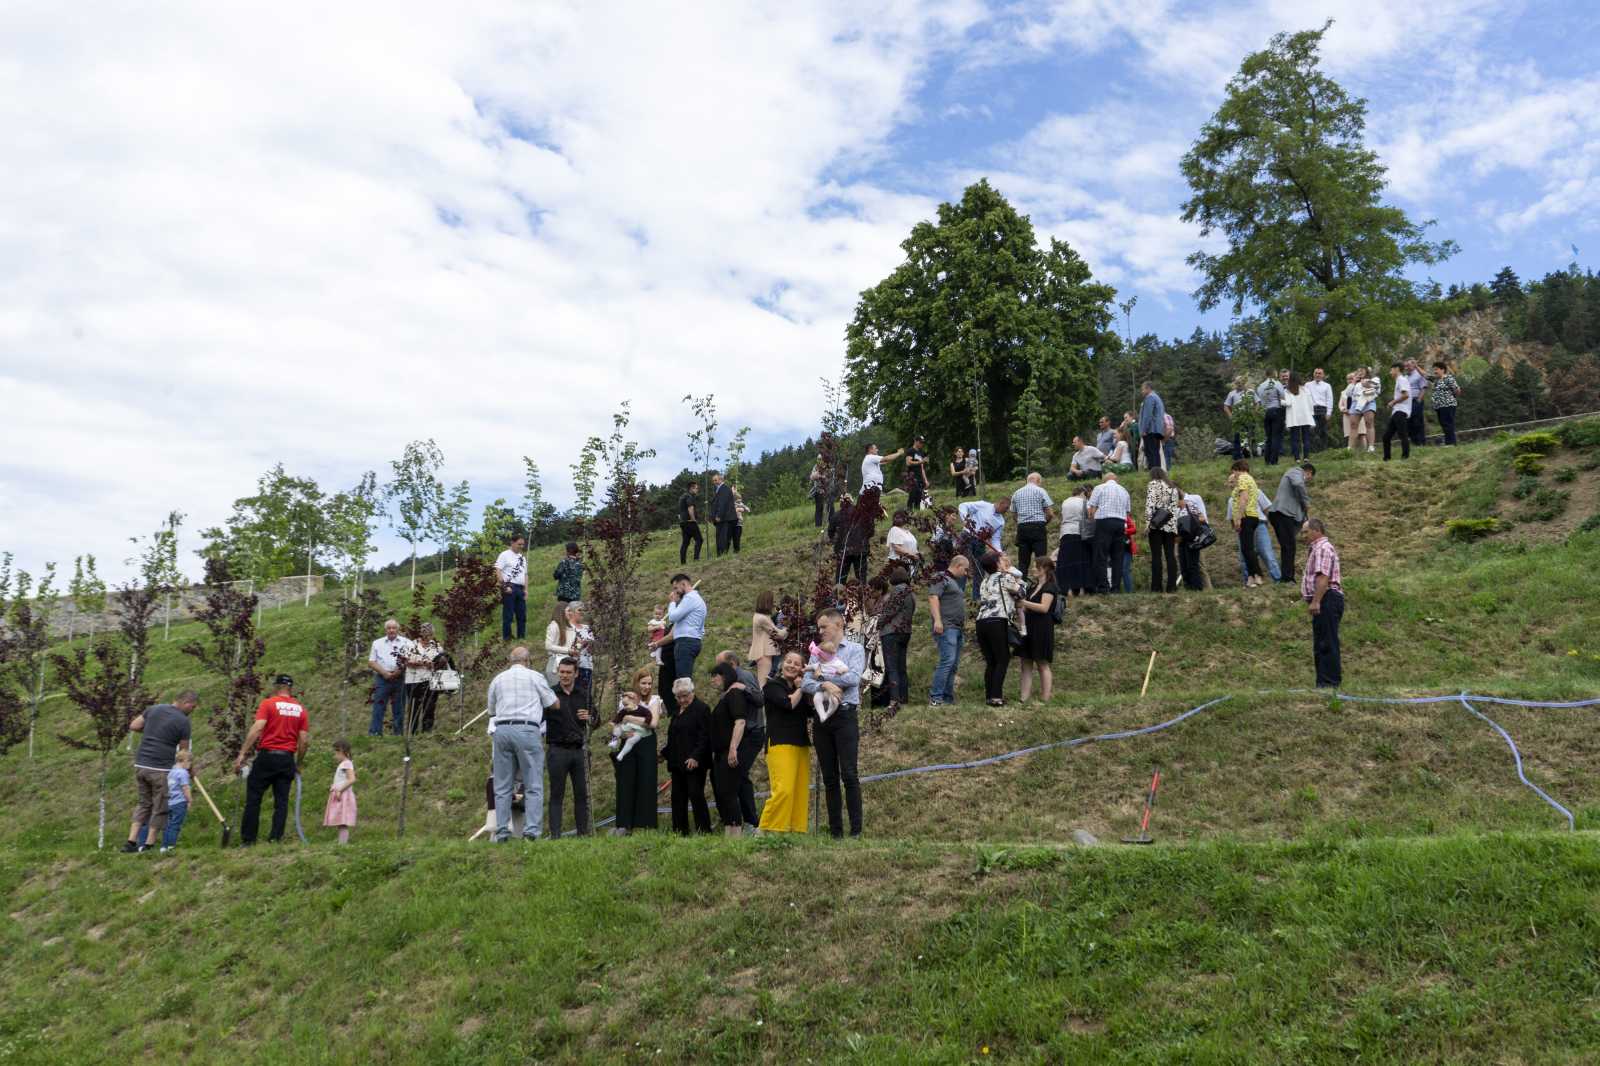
(341, 810)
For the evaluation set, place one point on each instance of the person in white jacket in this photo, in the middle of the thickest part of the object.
(1350, 404)
(1300, 416)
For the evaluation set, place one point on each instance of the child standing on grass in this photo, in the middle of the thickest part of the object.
(341, 810)
(178, 797)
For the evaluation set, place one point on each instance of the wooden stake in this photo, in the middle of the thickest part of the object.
(1147, 670)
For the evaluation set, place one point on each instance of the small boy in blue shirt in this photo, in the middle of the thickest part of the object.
(178, 797)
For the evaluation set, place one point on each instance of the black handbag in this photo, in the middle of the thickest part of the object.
(1204, 538)
(1160, 517)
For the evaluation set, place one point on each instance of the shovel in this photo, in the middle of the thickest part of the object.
(227, 830)
(1144, 836)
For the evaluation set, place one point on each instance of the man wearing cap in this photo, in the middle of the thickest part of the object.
(281, 730)
(518, 698)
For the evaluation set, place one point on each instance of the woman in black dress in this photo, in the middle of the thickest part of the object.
(965, 473)
(1039, 645)
(733, 748)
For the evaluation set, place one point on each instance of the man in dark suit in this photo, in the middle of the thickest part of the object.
(724, 512)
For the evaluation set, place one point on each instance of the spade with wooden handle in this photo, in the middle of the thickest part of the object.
(227, 830)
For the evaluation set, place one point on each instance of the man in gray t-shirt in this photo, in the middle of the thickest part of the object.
(166, 730)
(947, 605)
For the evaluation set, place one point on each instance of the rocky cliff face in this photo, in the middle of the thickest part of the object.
(1475, 335)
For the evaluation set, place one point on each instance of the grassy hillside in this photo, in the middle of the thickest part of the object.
(1334, 897)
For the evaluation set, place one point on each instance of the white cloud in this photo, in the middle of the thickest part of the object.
(314, 234)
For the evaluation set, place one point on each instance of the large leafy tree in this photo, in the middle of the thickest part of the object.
(1283, 172)
(947, 344)
(415, 493)
(274, 533)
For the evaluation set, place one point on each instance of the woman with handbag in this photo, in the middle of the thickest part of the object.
(425, 657)
(1075, 552)
(997, 626)
(1161, 504)
(1194, 536)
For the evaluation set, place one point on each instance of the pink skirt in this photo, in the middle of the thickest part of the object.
(341, 809)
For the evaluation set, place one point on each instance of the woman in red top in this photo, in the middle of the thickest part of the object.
(281, 730)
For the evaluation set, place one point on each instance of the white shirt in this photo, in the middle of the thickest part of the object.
(901, 538)
(429, 650)
(519, 694)
(981, 515)
(1321, 394)
(1119, 454)
(1351, 399)
(1197, 506)
(1402, 387)
(513, 567)
(872, 471)
(1088, 459)
(1109, 500)
(388, 651)
(1073, 513)
(1300, 411)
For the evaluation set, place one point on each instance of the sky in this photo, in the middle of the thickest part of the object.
(234, 236)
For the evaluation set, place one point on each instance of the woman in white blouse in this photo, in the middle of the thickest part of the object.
(1300, 415)
(560, 640)
(902, 543)
(1075, 552)
(1120, 459)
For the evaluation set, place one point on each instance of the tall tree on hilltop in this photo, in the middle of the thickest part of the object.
(1283, 172)
(269, 535)
(349, 517)
(978, 309)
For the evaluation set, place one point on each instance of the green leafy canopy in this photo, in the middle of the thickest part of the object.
(1282, 171)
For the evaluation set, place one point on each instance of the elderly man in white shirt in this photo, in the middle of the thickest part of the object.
(388, 663)
(1109, 505)
(517, 700)
(511, 570)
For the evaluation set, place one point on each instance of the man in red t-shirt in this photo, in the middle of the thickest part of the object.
(280, 729)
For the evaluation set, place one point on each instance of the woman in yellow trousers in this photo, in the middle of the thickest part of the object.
(788, 748)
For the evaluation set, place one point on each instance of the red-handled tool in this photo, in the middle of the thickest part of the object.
(1144, 836)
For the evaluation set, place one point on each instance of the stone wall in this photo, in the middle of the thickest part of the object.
(67, 619)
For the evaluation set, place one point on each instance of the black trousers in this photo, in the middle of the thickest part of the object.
(691, 532)
(1274, 419)
(838, 743)
(1320, 436)
(1417, 424)
(737, 535)
(895, 680)
(274, 770)
(731, 789)
(822, 504)
(1163, 545)
(1152, 451)
(858, 563)
(1288, 531)
(421, 702)
(636, 785)
(1189, 561)
(1397, 427)
(1325, 640)
(1031, 541)
(1247, 545)
(1109, 534)
(1447, 423)
(689, 790)
(561, 763)
(724, 536)
(915, 494)
(994, 640)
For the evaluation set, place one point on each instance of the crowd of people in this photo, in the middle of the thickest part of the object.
(792, 705)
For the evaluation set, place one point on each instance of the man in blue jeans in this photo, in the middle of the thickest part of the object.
(686, 615)
(1264, 552)
(947, 603)
(388, 661)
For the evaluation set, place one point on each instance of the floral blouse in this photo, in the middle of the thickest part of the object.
(1161, 494)
(997, 596)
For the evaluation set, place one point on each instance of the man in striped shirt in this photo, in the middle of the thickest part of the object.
(518, 698)
(1108, 507)
(1321, 590)
(1034, 509)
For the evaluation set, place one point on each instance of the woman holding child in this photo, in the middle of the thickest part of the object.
(789, 748)
(635, 763)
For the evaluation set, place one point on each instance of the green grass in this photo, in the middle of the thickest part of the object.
(1335, 882)
(1460, 949)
